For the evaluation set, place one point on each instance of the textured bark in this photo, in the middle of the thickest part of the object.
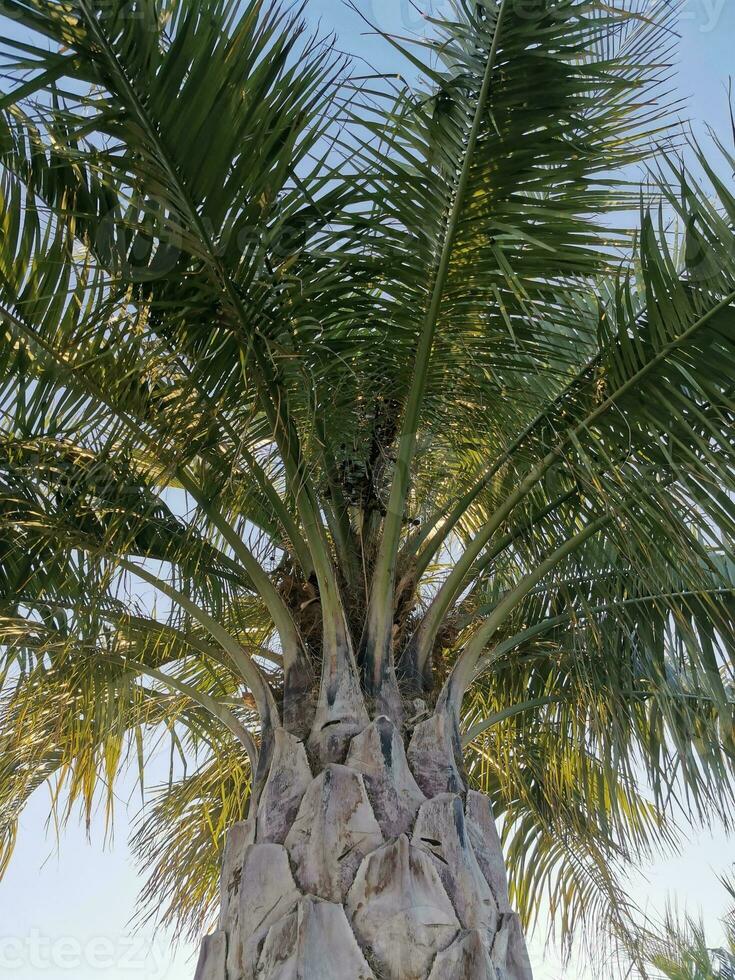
(377, 867)
(211, 965)
(267, 893)
(379, 754)
(340, 712)
(432, 755)
(485, 842)
(467, 957)
(400, 911)
(315, 940)
(239, 837)
(334, 830)
(440, 830)
(288, 779)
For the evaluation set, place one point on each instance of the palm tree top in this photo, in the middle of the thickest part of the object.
(326, 391)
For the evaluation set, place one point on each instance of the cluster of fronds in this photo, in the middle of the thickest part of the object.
(296, 363)
(680, 947)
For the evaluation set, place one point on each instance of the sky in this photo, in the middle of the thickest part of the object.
(65, 913)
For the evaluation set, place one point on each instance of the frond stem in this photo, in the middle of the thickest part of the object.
(463, 672)
(453, 583)
(249, 671)
(378, 646)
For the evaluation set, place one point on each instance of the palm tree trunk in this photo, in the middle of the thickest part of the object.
(380, 865)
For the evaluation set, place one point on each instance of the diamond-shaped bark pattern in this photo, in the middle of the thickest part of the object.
(288, 779)
(400, 911)
(378, 754)
(440, 830)
(211, 965)
(267, 892)
(486, 844)
(340, 712)
(315, 940)
(334, 830)
(239, 837)
(431, 755)
(379, 867)
(509, 954)
(466, 959)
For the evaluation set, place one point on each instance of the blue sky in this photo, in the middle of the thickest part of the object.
(67, 914)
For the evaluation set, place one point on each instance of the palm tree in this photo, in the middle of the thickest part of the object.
(678, 948)
(680, 952)
(351, 439)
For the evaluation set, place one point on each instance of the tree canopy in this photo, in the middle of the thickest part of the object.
(312, 376)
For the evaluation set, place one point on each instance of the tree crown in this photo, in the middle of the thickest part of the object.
(313, 377)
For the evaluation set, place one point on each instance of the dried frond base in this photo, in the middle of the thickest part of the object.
(361, 872)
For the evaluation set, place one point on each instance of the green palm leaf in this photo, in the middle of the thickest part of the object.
(312, 382)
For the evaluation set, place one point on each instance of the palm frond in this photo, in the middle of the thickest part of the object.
(296, 362)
